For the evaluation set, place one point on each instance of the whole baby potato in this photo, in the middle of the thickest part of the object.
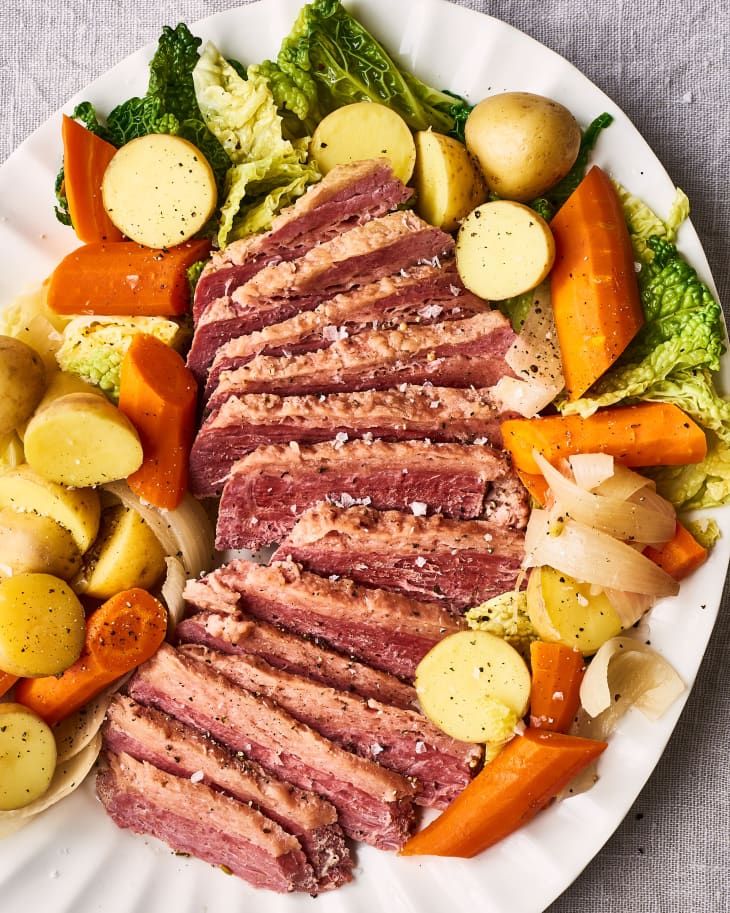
(22, 382)
(524, 143)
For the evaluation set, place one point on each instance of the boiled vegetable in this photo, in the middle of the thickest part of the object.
(41, 625)
(59, 383)
(364, 130)
(30, 542)
(22, 382)
(27, 756)
(647, 434)
(122, 633)
(85, 159)
(159, 396)
(680, 555)
(448, 184)
(77, 510)
(7, 680)
(595, 291)
(524, 143)
(474, 686)
(159, 190)
(557, 671)
(124, 278)
(82, 440)
(531, 770)
(126, 554)
(503, 249)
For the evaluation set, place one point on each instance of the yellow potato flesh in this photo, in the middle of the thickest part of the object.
(159, 190)
(82, 440)
(22, 382)
(27, 756)
(474, 686)
(503, 249)
(562, 610)
(447, 182)
(32, 543)
(42, 625)
(364, 130)
(78, 510)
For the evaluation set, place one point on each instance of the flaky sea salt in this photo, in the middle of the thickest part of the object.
(197, 776)
(419, 508)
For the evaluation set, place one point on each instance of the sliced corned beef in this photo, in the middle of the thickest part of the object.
(374, 805)
(422, 294)
(385, 630)
(456, 563)
(150, 735)
(193, 818)
(401, 740)
(240, 633)
(409, 412)
(348, 195)
(272, 486)
(460, 353)
(379, 248)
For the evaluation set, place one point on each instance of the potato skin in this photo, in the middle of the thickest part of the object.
(447, 181)
(524, 143)
(30, 542)
(22, 382)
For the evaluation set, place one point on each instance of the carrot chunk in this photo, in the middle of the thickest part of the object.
(647, 434)
(595, 292)
(122, 633)
(557, 671)
(6, 682)
(85, 159)
(124, 279)
(681, 555)
(158, 394)
(523, 778)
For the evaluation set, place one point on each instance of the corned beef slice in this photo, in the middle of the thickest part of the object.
(374, 805)
(150, 735)
(379, 248)
(385, 630)
(408, 413)
(270, 488)
(460, 353)
(239, 633)
(422, 294)
(456, 563)
(401, 740)
(193, 818)
(348, 195)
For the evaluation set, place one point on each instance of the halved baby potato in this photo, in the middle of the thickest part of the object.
(159, 190)
(27, 756)
(503, 249)
(475, 686)
(447, 181)
(360, 131)
(32, 543)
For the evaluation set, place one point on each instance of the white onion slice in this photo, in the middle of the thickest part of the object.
(592, 556)
(185, 532)
(513, 395)
(75, 732)
(625, 520)
(172, 591)
(629, 607)
(624, 483)
(591, 469)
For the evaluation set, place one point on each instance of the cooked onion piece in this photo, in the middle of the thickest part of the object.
(76, 731)
(591, 469)
(172, 590)
(592, 556)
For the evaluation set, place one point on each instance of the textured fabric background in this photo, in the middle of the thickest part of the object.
(667, 64)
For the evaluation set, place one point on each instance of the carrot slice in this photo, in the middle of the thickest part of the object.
(158, 394)
(6, 682)
(593, 284)
(124, 279)
(557, 671)
(523, 778)
(85, 159)
(536, 486)
(648, 434)
(681, 555)
(122, 633)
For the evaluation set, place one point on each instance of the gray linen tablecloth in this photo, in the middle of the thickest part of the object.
(666, 63)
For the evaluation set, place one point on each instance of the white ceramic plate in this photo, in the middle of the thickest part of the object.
(73, 858)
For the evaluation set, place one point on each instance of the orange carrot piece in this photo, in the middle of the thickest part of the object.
(557, 671)
(648, 434)
(529, 771)
(536, 486)
(122, 633)
(158, 394)
(124, 279)
(85, 159)
(6, 682)
(594, 289)
(681, 555)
